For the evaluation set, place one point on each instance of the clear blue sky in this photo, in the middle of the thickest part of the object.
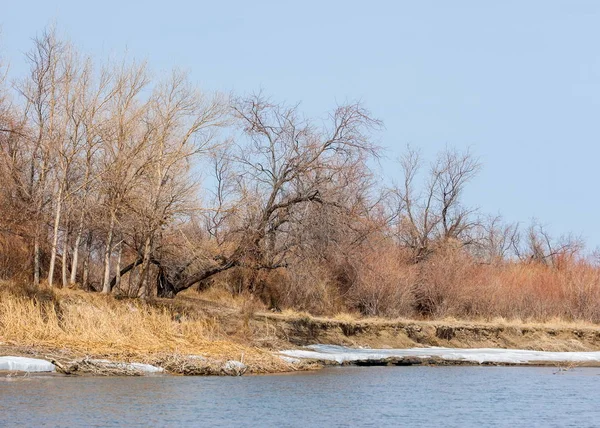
(517, 81)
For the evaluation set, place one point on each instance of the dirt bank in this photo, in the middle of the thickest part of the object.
(304, 330)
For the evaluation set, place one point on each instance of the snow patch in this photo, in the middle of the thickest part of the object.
(290, 360)
(341, 354)
(23, 364)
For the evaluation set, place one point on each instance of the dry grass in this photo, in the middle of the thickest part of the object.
(223, 297)
(346, 317)
(98, 325)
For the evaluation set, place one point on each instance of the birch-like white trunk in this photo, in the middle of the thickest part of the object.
(65, 251)
(86, 262)
(143, 285)
(107, 252)
(55, 237)
(36, 259)
(76, 244)
(118, 267)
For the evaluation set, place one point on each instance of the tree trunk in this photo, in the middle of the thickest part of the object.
(86, 262)
(107, 251)
(133, 280)
(123, 271)
(55, 237)
(65, 251)
(36, 259)
(36, 242)
(118, 267)
(143, 284)
(168, 289)
(164, 287)
(75, 258)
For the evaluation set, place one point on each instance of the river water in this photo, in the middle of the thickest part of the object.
(338, 397)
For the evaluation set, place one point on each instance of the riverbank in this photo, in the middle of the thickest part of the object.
(210, 334)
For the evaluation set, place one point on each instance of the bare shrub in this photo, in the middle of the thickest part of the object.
(582, 283)
(448, 284)
(310, 287)
(384, 285)
(540, 292)
(14, 257)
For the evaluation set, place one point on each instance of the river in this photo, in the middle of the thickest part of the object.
(339, 397)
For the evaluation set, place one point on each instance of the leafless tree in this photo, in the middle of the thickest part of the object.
(538, 245)
(181, 123)
(285, 165)
(434, 215)
(124, 147)
(495, 240)
(42, 111)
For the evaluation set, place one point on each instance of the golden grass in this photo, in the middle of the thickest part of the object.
(220, 296)
(346, 317)
(93, 324)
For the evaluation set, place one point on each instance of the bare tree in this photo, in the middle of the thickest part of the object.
(14, 158)
(92, 117)
(285, 165)
(223, 201)
(539, 246)
(43, 112)
(181, 124)
(436, 214)
(71, 141)
(494, 239)
(124, 144)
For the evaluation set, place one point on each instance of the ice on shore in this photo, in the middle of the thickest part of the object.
(23, 364)
(290, 360)
(341, 354)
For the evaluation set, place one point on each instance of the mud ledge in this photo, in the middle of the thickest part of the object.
(304, 330)
(437, 361)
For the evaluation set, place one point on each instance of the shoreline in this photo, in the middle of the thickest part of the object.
(87, 333)
(115, 369)
(288, 333)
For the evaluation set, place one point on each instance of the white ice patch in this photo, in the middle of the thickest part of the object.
(290, 360)
(23, 364)
(342, 354)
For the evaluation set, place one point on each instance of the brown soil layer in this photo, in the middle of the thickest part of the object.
(302, 331)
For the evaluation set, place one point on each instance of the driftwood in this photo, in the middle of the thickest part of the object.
(178, 364)
(196, 365)
(88, 366)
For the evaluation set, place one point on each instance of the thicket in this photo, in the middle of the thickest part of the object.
(116, 182)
